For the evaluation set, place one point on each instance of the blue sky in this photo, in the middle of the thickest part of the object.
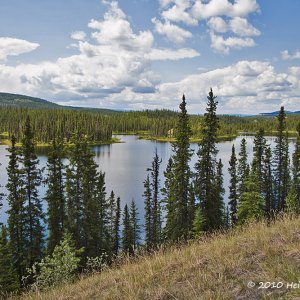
(137, 54)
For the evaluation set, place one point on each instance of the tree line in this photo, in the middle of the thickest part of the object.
(87, 227)
(49, 124)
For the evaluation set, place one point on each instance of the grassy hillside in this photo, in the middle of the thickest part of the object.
(218, 267)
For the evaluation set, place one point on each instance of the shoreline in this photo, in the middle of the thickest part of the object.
(113, 140)
(142, 135)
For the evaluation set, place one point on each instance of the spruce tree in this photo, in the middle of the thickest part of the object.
(198, 222)
(242, 166)
(16, 212)
(292, 202)
(251, 205)
(206, 165)
(167, 188)
(90, 218)
(219, 216)
(155, 205)
(55, 196)
(82, 201)
(1, 199)
(33, 205)
(135, 226)
(127, 242)
(74, 192)
(169, 198)
(281, 162)
(116, 236)
(111, 221)
(258, 155)
(102, 210)
(296, 165)
(267, 183)
(191, 206)
(177, 207)
(148, 213)
(233, 193)
(8, 276)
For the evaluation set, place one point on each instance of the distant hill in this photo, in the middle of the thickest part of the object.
(15, 100)
(275, 113)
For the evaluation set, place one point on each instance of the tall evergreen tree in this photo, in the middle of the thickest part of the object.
(148, 213)
(206, 165)
(135, 226)
(233, 193)
(169, 198)
(267, 183)
(16, 212)
(33, 207)
(281, 161)
(82, 197)
(90, 218)
(55, 196)
(258, 155)
(296, 166)
(251, 205)
(242, 166)
(155, 205)
(74, 192)
(8, 276)
(127, 242)
(220, 213)
(102, 210)
(177, 206)
(111, 221)
(1, 198)
(116, 237)
(191, 206)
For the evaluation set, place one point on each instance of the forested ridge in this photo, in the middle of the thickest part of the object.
(88, 229)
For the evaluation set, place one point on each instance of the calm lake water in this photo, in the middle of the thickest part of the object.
(125, 165)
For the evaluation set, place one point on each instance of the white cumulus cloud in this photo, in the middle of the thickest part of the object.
(220, 16)
(78, 35)
(213, 8)
(13, 47)
(179, 12)
(224, 45)
(173, 32)
(287, 56)
(169, 54)
(237, 25)
(243, 87)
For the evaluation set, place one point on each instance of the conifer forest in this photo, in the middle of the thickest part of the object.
(85, 228)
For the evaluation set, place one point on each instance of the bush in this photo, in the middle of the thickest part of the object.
(57, 268)
(96, 264)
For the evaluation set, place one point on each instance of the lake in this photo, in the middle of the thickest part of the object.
(125, 165)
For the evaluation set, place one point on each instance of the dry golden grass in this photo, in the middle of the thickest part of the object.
(218, 267)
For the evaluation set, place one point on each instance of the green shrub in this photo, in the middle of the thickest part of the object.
(57, 268)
